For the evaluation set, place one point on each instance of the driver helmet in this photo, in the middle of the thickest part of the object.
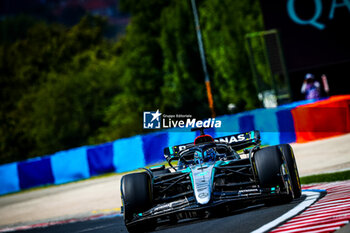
(198, 157)
(207, 156)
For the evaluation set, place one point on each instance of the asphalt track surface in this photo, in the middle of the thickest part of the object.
(246, 220)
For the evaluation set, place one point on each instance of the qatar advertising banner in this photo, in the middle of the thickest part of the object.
(313, 32)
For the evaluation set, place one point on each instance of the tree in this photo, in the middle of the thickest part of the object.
(224, 25)
(160, 65)
(55, 85)
(183, 89)
(69, 108)
(65, 87)
(140, 64)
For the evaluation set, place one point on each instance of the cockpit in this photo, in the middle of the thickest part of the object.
(206, 152)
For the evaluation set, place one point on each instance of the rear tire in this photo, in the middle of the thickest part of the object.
(136, 191)
(292, 167)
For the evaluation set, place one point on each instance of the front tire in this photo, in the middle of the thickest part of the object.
(268, 163)
(137, 197)
(292, 167)
(271, 169)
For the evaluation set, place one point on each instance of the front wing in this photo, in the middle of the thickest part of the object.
(189, 208)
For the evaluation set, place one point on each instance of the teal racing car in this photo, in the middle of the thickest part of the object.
(211, 175)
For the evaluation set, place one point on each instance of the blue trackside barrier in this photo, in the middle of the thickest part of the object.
(9, 180)
(276, 126)
(285, 126)
(70, 165)
(210, 131)
(35, 172)
(246, 123)
(178, 138)
(153, 145)
(100, 159)
(128, 154)
(230, 125)
(266, 121)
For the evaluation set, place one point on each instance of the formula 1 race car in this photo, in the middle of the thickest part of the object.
(211, 175)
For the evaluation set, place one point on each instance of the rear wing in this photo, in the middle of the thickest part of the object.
(236, 141)
(242, 140)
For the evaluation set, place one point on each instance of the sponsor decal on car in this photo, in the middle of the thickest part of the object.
(248, 190)
(231, 139)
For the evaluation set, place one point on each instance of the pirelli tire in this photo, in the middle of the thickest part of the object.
(288, 153)
(268, 163)
(137, 197)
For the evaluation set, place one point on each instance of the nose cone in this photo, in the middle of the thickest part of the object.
(203, 193)
(202, 182)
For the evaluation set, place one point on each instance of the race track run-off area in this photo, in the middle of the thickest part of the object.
(324, 207)
(328, 214)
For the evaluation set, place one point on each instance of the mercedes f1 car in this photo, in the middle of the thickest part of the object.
(211, 174)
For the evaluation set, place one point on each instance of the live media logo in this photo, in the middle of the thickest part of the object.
(151, 120)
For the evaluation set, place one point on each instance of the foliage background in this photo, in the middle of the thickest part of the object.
(63, 87)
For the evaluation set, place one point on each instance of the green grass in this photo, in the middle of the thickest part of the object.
(327, 177)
